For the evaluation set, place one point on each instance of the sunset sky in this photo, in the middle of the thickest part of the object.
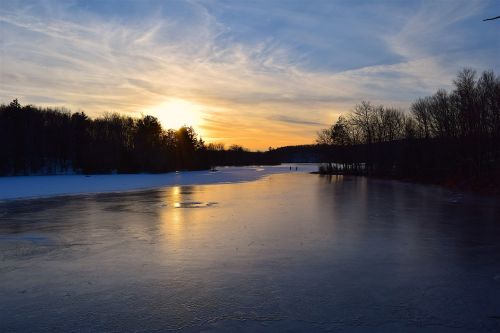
(255, 73)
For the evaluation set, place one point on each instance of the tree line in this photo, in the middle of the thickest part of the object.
(38, 140)
(444, 137)
(449, 135)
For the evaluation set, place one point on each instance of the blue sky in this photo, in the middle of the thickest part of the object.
(257, 73)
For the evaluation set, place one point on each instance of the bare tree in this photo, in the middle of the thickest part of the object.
(421, 112)
(363, 117)
(492, 18)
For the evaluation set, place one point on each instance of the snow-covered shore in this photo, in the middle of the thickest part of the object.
(44, 186)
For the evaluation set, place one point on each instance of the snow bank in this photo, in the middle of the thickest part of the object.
(43, 186)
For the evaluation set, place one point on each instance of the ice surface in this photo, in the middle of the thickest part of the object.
(288, 252)
(42, 186)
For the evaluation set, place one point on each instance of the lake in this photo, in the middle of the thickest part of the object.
(290, 252)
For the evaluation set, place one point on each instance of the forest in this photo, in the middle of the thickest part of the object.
(449, 137)
(55, 141)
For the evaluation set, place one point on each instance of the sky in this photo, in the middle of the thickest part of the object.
(260, 74)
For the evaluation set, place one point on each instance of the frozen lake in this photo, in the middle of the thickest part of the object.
(290, 251)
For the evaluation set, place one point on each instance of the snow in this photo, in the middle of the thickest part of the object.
(21, 187)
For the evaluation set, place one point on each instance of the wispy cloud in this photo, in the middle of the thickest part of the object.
(256, 83)
(296, 121)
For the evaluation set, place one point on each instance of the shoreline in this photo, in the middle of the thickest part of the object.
(32, 187)
(465, 186)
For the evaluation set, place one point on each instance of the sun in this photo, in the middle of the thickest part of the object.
(175, 113)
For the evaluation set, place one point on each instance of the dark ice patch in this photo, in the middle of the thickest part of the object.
(194, 204)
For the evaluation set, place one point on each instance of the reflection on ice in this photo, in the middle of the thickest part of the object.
(291, 252)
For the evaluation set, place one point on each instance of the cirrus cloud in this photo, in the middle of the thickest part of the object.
(262, 73)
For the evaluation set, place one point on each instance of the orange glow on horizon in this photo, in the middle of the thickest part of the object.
(231, 127)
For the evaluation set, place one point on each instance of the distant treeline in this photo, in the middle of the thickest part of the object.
(449, 136)
(48, 141)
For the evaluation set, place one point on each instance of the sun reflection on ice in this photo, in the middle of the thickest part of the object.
(172, 226)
